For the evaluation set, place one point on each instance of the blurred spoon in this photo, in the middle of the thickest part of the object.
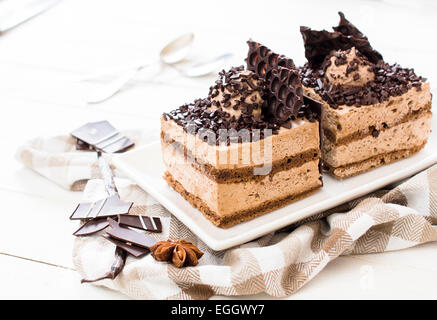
(206, 67)
(175, 51)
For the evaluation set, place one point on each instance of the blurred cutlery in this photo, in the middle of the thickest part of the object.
(206, 67)
(24, 11)
(173, 52)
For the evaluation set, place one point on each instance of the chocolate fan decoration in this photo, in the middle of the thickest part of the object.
(284, 96)
(319, 44)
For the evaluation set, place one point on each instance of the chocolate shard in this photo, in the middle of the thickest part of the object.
(283, 97)
(129, 236)
(286, 95)
(152, 224)
(314, 107)
(101, 136)
(136, 251)
(91, 227)
(347, 28)
(261, 60)
(107, 207)
(319, 44)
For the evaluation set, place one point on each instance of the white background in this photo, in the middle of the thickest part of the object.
(40, 59)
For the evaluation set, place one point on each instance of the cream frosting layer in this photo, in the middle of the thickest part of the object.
(402, 136)
(346, 120)
(253, 98)
(229, 198)
(338, 74)
(302, 137)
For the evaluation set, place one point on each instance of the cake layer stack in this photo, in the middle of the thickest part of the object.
(373, 112)
(234, 157)
(229, 192)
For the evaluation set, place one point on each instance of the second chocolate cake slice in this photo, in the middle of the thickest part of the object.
(374, 113)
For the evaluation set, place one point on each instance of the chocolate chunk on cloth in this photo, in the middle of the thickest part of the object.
(128, 236)
(92, 226)
(101, 136)
(106, 207)
(135, 251)
(151, 224)
(319, 44)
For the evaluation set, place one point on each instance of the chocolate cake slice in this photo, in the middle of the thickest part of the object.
(374, 112)
(250, 147)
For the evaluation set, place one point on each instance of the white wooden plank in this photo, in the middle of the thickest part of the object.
(37, 228)
(24, 279)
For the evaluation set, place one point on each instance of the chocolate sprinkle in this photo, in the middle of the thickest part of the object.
(390, 81)
(195, 118)
(200, 121)
(233, 84)
(320, 46)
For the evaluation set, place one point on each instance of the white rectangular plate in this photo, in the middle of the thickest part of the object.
(144, 166)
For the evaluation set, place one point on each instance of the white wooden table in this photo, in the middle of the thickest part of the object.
(40, 59)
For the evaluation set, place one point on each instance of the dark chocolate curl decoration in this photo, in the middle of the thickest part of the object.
(319, 44)
(283, 97)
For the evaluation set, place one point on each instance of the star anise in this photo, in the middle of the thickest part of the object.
(180, 252)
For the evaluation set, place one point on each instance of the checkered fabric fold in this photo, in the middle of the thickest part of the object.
(279, 263)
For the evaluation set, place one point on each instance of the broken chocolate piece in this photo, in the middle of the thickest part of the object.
(129, 236)
(319, 44)
(347, 28)
(101, 136)
(107, 207)
(136, 251)
(312, 109)
(152, 224)
(91, 226)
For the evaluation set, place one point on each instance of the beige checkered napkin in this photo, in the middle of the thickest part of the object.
(279, 263)
(56, 158)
